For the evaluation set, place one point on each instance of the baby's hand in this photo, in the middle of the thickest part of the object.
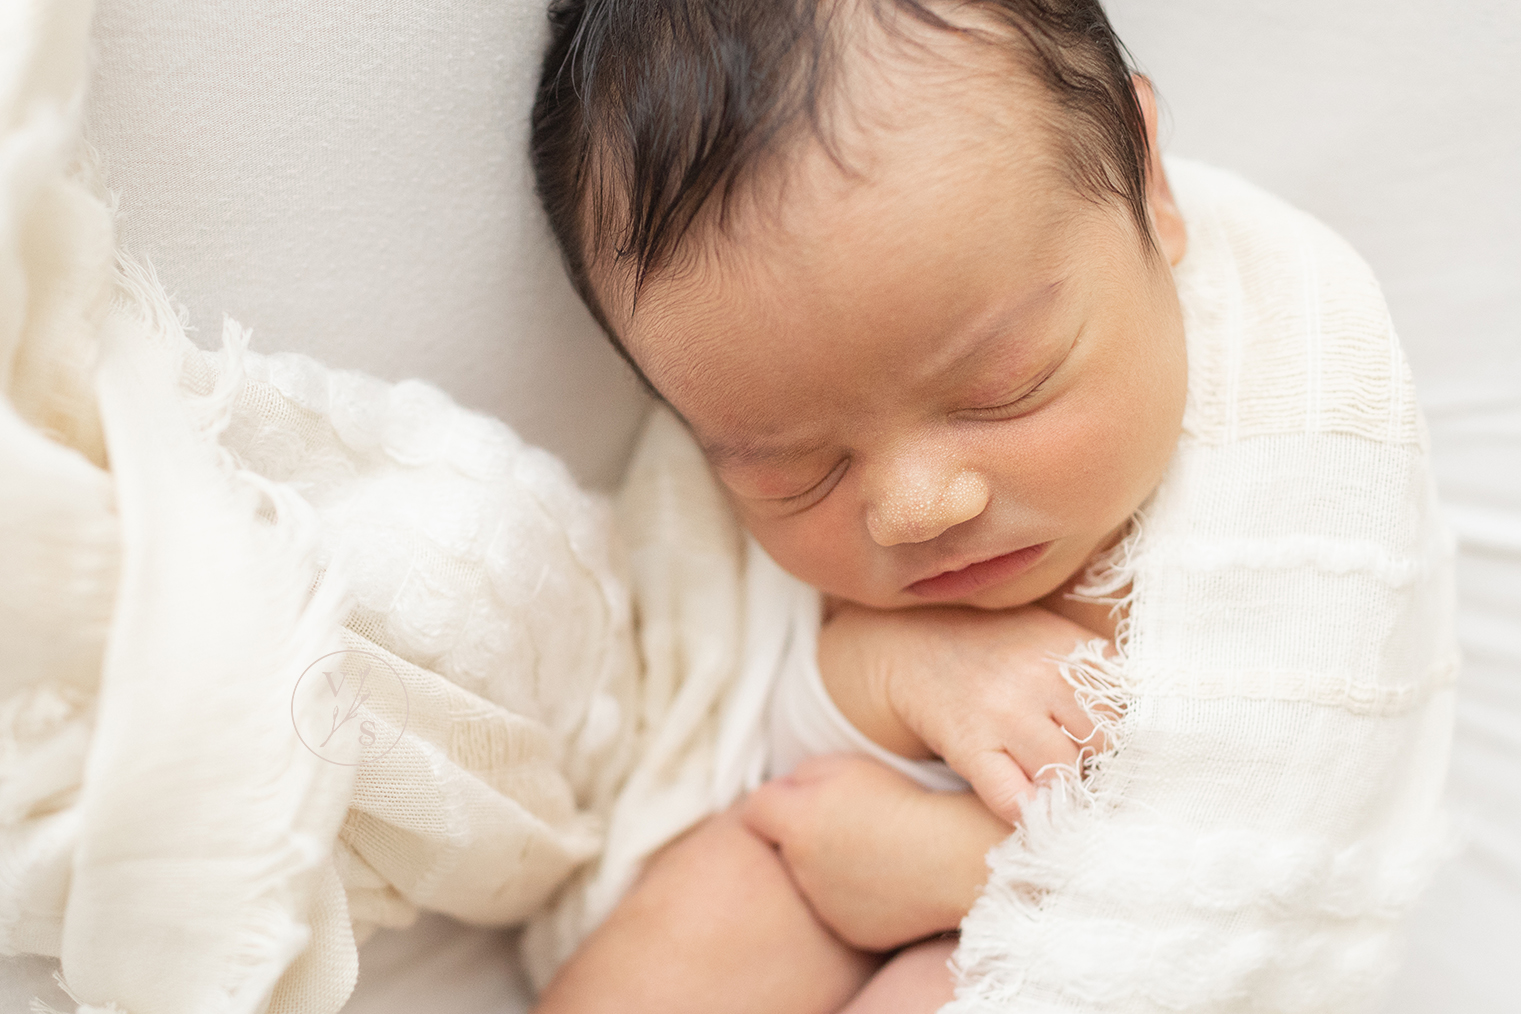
(882, 861)
(976, 687)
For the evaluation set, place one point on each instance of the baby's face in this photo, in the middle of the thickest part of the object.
(946, 378)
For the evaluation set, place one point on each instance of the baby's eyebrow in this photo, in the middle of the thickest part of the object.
(751, 453)
(1022, 316)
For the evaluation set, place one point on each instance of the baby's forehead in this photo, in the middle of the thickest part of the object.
(883, 284)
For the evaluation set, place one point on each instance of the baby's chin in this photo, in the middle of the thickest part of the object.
(1011, 596)
(990, 599)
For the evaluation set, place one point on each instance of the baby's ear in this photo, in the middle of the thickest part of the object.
(1165, 218)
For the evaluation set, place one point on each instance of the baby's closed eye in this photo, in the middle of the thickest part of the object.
(775, 491)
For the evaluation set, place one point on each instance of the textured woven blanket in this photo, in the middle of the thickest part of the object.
(1270, 808)
(286, 653)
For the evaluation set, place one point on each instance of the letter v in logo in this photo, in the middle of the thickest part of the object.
(335, 687)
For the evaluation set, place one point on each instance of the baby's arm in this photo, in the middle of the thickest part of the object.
(714, 924)
(717, 923)
(882, 861)
(975, 687)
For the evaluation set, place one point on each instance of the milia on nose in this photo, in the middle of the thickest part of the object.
(918, 512)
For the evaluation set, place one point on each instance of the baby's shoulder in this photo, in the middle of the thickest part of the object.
(1287, 327)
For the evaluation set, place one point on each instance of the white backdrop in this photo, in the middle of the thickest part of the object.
(348, 178)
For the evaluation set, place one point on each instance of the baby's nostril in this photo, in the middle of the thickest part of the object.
(900, 521)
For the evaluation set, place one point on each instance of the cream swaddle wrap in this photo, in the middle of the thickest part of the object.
(1272, 805)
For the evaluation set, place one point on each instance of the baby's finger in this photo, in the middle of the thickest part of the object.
(1042, 746)
(998, 781)
(769, 811)
(1070, 716)
(1074, 723)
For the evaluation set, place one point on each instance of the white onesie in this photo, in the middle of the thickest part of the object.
(803, 721)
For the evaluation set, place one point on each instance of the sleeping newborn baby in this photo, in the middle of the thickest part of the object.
(904, 270)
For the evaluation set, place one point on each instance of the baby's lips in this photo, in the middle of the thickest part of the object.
(976, 576)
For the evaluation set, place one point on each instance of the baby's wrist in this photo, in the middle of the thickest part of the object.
(855, 656)
(969, 831)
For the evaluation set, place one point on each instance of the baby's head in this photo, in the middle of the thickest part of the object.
(903, 266)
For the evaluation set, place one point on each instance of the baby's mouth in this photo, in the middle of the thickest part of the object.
(976, 576)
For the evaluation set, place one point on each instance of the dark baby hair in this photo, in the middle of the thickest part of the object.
(648, 110)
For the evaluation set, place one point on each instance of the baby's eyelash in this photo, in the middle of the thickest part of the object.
(834, 474)
(1032, 392)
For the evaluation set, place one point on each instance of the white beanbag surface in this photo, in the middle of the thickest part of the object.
(350, 179)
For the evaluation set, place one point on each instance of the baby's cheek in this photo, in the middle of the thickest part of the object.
(825, 546)
(1077, 459)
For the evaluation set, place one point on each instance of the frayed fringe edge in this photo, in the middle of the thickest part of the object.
(1109, 580)
(141, 295)
(40, 1006)
(1096, 670)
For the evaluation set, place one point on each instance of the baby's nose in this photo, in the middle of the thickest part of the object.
(918, 507)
